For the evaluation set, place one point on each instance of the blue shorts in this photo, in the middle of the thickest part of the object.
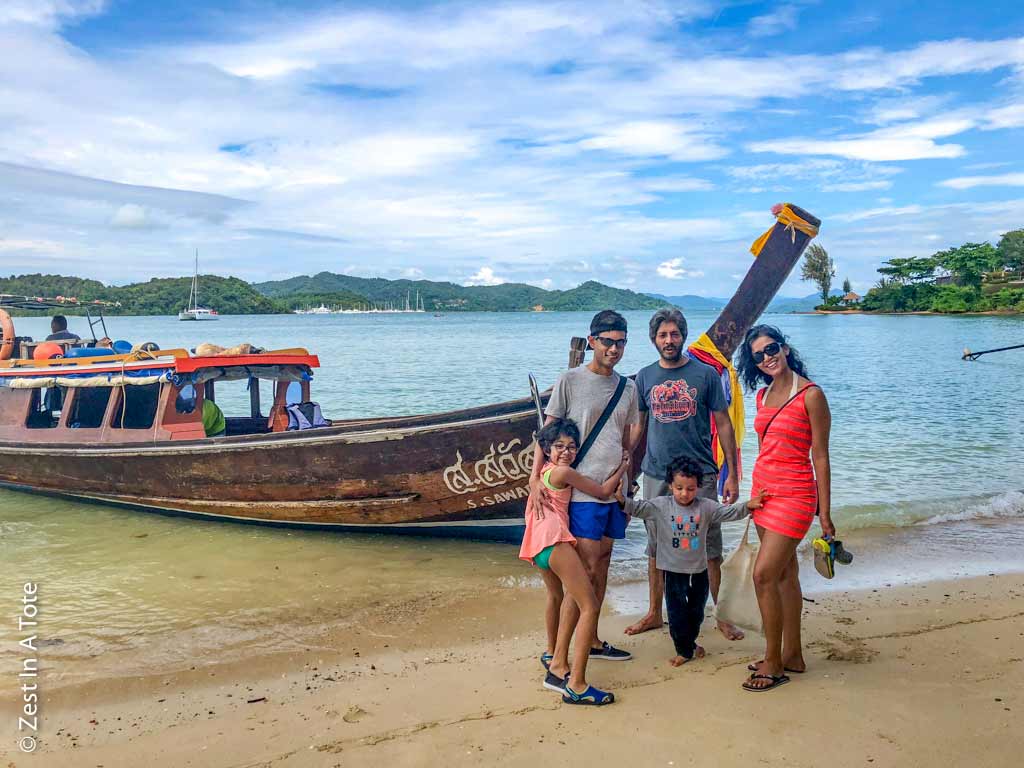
(595, 520)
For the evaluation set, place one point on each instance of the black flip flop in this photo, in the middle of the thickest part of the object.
(753, 668)
(777, 680)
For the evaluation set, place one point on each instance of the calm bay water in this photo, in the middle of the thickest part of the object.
(926, 457)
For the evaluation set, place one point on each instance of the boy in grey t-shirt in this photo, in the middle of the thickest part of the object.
(680, 523)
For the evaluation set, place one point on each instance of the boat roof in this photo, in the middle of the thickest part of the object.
(171, 361)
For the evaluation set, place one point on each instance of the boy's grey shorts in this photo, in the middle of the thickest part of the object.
(652, 487)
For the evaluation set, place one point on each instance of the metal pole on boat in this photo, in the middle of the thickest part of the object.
(968, 355)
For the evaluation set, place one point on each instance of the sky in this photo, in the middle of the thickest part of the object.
(640, 144)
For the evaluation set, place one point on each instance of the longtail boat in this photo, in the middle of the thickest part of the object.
(125, 428)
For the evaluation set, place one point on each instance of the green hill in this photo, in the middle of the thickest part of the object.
(159, 296)
(331, 288)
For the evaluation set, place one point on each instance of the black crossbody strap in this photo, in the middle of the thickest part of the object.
(760, 437)
(592, 435)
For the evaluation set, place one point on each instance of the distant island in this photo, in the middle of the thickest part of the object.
(970, 278)
(232, 296)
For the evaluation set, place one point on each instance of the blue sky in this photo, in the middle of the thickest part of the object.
(639, 144)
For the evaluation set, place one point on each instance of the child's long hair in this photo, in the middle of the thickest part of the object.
(747, 369)
(556, 429)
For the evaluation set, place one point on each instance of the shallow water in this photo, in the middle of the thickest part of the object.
(926, 456)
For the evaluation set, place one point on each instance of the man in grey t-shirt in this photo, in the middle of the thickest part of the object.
(581, 394)
(680, 396)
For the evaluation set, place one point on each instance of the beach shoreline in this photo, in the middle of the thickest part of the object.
(926, 673)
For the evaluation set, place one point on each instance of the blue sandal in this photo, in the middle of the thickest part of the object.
(590, 697)
(545, 660)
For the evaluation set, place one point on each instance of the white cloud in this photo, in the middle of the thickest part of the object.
(131, 216)
(47, 12)
(656, 138)
(412, 273)
(673, 270)
(906, 141)
(782, 19)
(857, 186)
(41, 246)
(873, 213)
(485, 276)
(997, 180)
(1010, 116)
(677, 184)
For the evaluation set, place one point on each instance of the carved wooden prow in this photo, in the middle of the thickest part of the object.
(577, 349)
(762, 281)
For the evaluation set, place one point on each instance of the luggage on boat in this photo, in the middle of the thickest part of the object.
(305, 416)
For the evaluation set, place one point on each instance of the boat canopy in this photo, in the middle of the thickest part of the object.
(174, 366)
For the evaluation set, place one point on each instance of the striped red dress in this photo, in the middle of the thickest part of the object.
(783, 468)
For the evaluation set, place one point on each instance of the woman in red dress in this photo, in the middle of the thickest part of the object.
(792, 425)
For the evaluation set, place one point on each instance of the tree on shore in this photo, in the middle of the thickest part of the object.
(1011, 250)
(846, 286)
(912, 270)
(819, 269)
(969, 262)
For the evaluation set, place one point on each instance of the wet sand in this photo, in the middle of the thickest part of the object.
(927, 674)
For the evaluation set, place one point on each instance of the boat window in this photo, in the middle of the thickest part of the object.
(294, 393)
(137, 407)
(45, 407)
(88, 407)
(185, 402)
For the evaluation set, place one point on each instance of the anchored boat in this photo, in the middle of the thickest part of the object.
(126, 428)
(193, 311)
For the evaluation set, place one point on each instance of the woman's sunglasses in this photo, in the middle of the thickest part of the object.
(770, 350)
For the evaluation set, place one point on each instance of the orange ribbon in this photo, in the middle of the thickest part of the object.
(792, 223)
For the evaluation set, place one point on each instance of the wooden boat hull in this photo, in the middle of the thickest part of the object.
(458, 474)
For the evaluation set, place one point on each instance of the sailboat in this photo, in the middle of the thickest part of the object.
(193, 311)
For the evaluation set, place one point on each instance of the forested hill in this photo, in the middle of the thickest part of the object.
(160, 296)
(329, 288)
(232, 296)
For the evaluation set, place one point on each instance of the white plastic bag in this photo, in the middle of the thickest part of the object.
(737, 601)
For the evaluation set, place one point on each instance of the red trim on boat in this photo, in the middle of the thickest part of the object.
(190, 364)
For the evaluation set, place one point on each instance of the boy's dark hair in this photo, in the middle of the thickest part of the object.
(667, 315)
(61, 322)
(607, 320)
(556, 429)
(685, 466)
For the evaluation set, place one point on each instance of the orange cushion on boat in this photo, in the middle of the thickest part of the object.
(47, 350)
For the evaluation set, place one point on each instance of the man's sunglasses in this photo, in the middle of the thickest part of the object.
(609, 343)
(770, 350)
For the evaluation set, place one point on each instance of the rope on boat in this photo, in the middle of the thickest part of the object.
(968, 355)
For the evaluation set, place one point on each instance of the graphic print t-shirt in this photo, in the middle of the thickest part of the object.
(679, 402)
(681, 531)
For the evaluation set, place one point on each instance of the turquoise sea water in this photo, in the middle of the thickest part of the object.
(926, 457)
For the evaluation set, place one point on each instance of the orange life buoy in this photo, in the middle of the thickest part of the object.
(6, 336)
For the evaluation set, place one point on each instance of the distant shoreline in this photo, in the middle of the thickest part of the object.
(985, 313)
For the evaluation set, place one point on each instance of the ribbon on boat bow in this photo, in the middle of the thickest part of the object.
(704, 349)
(787, 217)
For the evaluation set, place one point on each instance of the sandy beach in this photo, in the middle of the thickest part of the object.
(930, 674)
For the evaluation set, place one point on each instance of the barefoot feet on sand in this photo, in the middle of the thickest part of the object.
(647, 623)
(678, 661)
(731, 631)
